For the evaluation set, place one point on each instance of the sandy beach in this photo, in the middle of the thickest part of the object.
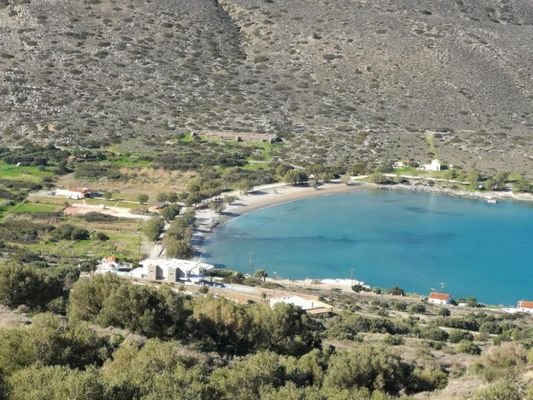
(273, 194)
(260, 197)
(269, 195)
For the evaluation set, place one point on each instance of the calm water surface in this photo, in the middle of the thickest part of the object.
(414, 240)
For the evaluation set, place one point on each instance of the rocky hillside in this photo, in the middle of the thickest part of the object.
(340, 79)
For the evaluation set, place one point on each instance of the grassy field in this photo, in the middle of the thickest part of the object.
(123, 243)
(123, 246)
(254, 166)
(110, 203)
(35, 208)
(266, 149)
(130, 161)
(187, 138)
(143, 180)
(16, 183)
(52, 200)
(28, 174)
(430, 139)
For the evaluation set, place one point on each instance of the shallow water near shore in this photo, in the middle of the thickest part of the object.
(418, 241)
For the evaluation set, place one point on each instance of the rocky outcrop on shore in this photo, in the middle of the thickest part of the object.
(422, 188)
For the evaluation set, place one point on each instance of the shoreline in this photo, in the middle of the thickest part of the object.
(276, 194)
(461, 193)
(258, 198)
(264, 198)
(280, 193)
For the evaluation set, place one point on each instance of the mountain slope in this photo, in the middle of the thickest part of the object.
(111, 68)
(342, 80)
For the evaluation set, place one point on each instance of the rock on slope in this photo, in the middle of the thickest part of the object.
(342, 79)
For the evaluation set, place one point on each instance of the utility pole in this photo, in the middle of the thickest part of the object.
(250, 263)
(139, 250)
(351, 277)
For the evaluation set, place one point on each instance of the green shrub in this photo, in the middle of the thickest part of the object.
(170, 212)
(359, 288)
(501, 361)
(94, 216)
(23, 231)
(379, 178)
(154, 228)
(418, 308)
(203, 290)
(23, 284)
(424, 380)
(101, 236)
(490, 327)
(400, 306)
(434, 334)
(95, 171)
(503, 390)
(295, 177)
(373, 368)
(457, 336)
(468, 347)
(393, 340)
(70, 232)
(444, 312)
(217, 324)
(55, 382)
(396, 291)
(468, 323)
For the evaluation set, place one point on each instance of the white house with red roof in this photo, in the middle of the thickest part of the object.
(111, 265)
(440, 298)
(525, 306)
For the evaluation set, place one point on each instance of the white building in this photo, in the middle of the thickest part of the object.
(75, 194)
(111, 265)
(171, 269)
(440, 298)
(434, 166)
(525, 306)
(402, 163)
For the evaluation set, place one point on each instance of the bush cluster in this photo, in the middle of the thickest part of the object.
(34, 287)
(70, 232)
(217, 324)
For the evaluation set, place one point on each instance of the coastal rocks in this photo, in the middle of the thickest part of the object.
(448, 191)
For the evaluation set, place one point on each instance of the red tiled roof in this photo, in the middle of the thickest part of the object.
(439, 296)
(525, 304)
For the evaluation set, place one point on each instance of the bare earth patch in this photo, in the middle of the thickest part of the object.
(119, 212)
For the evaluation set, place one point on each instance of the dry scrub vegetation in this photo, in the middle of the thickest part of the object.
(340, 80)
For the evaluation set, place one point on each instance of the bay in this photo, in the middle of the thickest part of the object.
(417, 241)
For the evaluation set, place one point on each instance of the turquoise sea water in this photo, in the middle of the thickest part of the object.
(414, 240)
